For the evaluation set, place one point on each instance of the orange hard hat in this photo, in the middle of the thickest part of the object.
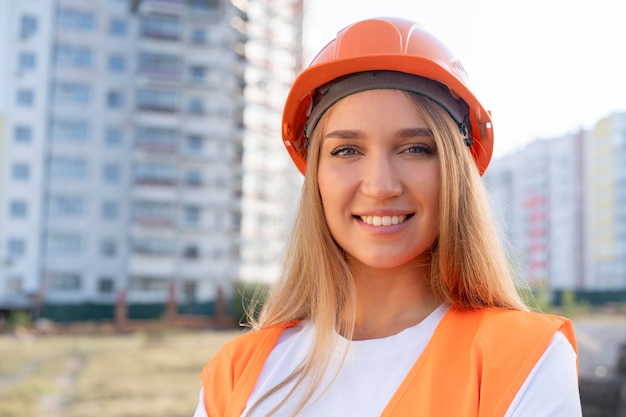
(396, 48)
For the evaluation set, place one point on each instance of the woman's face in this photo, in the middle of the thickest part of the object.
(379, 179)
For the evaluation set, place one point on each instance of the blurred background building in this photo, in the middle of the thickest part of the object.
(561, 204)
(123, 141)
(271, 182)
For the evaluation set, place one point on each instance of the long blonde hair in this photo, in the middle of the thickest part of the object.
(468, 269)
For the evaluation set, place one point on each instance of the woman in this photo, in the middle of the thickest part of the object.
(396, 299)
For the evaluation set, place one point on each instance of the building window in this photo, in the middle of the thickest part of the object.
(197, 73)
(117, 63)
(196, 106)
(64, 281)
(193, 178)
(161, 27)
(18, 209)
(28, 26)
(157, 100)
(25, 98)
(108, 248)
(68, 168)
(159, 65)
(191, 251)
(111, 173)
(22, 134)
(204, 5)
(113, 136)
(118, 27)
(115, 100)
(154, 213)
(70, 130)
(156, 139)
(72, 94)
(192, 215)
(194, 143)
(64, 244)
(154, 173)
(20, 171)
(106, 285)
(109, 210)
(16, 248)
(149, 284)
(153, 247)
(66, 206)
(72, 19)
(73, 56)
(198, 35)
(27, 61)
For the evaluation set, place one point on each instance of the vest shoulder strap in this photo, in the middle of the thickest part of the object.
(229, 377)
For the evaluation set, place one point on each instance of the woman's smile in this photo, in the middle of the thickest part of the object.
(382, 220)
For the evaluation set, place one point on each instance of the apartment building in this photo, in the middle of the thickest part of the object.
(606, 203)
(122, 150)
(561, 206)
(271, 181)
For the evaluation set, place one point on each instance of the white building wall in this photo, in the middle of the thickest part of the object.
(565, 219)
(25, 31)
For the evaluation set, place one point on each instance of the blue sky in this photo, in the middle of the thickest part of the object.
(544, 67)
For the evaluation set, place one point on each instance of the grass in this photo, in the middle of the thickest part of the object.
(152, 374)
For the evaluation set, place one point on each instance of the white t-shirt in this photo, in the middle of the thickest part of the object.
(373, 370)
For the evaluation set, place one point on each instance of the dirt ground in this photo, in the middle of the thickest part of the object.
(153, 373)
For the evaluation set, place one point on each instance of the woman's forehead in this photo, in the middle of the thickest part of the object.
(375, 107)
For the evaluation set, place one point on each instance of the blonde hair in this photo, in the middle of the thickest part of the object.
(468, 268)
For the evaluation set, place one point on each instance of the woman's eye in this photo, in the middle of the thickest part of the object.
(419, 148)
(343, 151)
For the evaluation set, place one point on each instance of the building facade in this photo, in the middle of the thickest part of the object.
(271, 181)
(561, 205)
(606, 205)
(122, 150)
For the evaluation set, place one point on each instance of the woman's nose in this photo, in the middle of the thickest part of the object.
(381, 179)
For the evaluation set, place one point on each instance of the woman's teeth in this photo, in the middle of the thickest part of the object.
(382, 220)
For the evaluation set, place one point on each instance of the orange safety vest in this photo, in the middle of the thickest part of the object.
(474, 365)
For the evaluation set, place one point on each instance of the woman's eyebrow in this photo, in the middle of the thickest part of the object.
(342, 134)
(415, 132)
(411, 132)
